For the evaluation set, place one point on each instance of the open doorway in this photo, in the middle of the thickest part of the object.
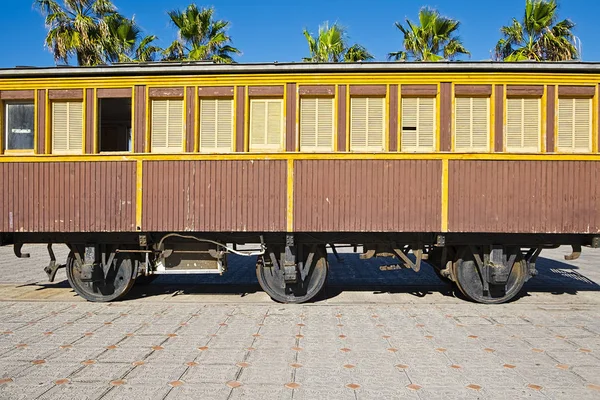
(114, 124)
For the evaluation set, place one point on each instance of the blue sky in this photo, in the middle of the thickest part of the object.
(271, 30)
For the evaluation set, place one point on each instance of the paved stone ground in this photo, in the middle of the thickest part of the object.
(372, 335)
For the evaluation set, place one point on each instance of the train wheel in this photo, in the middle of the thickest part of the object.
(116, 284)
(469, 280)
(272, 281)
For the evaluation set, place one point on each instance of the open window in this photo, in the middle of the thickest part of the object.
(114, 124)
(19, 125)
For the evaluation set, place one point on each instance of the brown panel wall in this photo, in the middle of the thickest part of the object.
(341, 122)
(114, 93)
(524, 196)
(65, 94)
(472, 90)
(368, 90)
(445, 116)
(223, 196)
(140, 118)
(522, 90)
(576, 91)
(215, 91)
(316, 90)
(41, 137)
(419, 90)
(265, 91)
(167, 93)
(550, 116)
(290, 118)
(499, 120)
(367, 195)
(190, 121)
(393, 128)
(240, 127)
(17, 94)
(90, 120)
(67, 197)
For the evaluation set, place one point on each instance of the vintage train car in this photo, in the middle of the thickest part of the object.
(165, 168)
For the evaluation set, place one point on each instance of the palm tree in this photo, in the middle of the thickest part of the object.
(434, 39)
(539, 37)
(125, 43)
(200, 37)
(77, 29)
(330, 45)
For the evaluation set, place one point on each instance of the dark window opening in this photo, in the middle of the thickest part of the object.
(19, 126)
(409, 128)
(114, 124)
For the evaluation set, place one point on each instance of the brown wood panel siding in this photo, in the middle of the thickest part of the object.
(140, 119)
(524, 91)
(524, 196)
(550, 117)
(316, 90)
(368, 90)
(393, 118)
(257, 91)
(473, 90)
(341, 119)
(17, 94)
(445, 116)
(68, 197)
(367, 196)
(499, 120)
(121, 93)
(419, 90)
(167, 93)
(576, 91)
(90, 120)
(41, 122)
(190, 119)
(290, 118)
(65, 94)
(215, 91)
(219, 196)
(240, 128)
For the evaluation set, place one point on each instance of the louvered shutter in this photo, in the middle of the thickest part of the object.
(67, 127)
(523, 130)
(167, 126)
(418, 124)
(471, 124)
(574, 125)
(216, 125)
(266, 125)
(316, 124)
(367, 123)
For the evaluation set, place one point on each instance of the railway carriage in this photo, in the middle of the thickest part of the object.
(165, 168)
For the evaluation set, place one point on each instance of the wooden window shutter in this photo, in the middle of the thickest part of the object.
(67, 127)
(316, 124)
(471, 124)
(266, 125)
(167, 126)
(523, 129)
(418, 124)
(216, 125)
(367, 123)
(574, 125)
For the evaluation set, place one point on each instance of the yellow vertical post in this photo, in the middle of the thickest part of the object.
(147, 148)
(492, 114)
(133, 94)
(48, 131)
(197, 123)
(438, 117)
(297, 126)
(386, 146)
(36, 125)
(595, 121)
(290, 195)
(348, 112)
(335, 118)
(543, 113)
(235, 121)
(247, 119)
(85, 117)
(399, 128)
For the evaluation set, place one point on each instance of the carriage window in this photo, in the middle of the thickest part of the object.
(316, 124)
(114, 124)
(367, 123)
(67, 127)
(19, 126)
(472, 126)
(216, 125)
(574, 125)
(418, 124)
(167, 126)
(523, 128)
(266, 125)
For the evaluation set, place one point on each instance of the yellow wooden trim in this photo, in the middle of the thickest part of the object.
(85, 116)
(185, 107)
(300, 156)
(492, 123)
(48, 125)
(335, 118)
(197, 121)
(297, 123)
(543, 119)
(348, 108)
(139, 194)
(438, 116)
(247, 119)
(284, 115)
(386, 121)
(445, 186)
(595, 121)
(504, 118)
(399, 127)
(96, 132)
(555, 149)
(36, 125)
(290, 195)
(235, 121)
(28, 152)
(133, 96)
(148, 121)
